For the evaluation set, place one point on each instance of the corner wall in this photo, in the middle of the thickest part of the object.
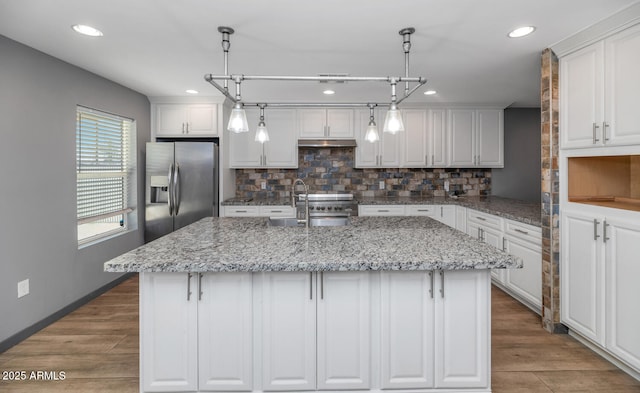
(38, 231)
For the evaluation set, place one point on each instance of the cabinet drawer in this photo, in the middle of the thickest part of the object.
(421, 210)
(277, 211)
(485, 219)
(523, 231)
(241, 211)
(381, 210)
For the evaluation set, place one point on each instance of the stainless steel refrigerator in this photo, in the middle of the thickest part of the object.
(181, 185)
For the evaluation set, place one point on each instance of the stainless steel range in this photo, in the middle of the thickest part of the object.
(327, 209)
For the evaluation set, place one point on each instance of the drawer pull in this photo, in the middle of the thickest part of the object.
(276, 211)
(383, 211)
(521, 231)
(423, 210)
(481, 218)
(241, 211)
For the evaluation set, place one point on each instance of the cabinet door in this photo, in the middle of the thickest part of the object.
(446, 214)
(436, 138)
(225, 332)
(169, 345)
(202, 120)
(526, 282)
(582, 275)
(462, 329)
(289, 331)
(340, 123)
(623, 292)
(282, 149)
(244, 151)
(407, 330)
(581, 97)
(343, 330)
(171, 120)
(462, 137)
(622, 87)
(366, 152)
(414, 138)
(312, 123)
(389, 146)
(490, 138)
(461, 218)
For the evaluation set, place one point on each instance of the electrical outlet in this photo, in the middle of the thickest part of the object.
(381, 185)
(263, 185)
(23, 288)
(446, 185)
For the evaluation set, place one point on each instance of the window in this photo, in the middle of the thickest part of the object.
(106, 175)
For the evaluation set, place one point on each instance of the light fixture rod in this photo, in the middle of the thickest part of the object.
(406, 46)
(416, 87)
(210, 77)
(223, 90)
(226, 44)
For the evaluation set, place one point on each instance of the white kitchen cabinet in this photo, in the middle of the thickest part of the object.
(225, 328)
(476, 138)
(437, 138)
(281, 151)
(524, 241)
(599, 87)
(381, 210)
(326, 123)
(461, 218)
(421, 210)
(582, 275)
(290, 303)
(462, 329)
(197, 332)
(186, 120)
(407, 353)
(414, 138)
(343, 326)
(488, 228)
(446, 214)
(259, 211)
(384, 153)
(288, 331)
(168, 303)
(435, 329)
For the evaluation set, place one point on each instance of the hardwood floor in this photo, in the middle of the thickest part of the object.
(97, 348)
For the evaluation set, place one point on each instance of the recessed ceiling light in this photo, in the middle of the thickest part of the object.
(522, 31)
(191, 91)
(429, 92)
(87, 30)
(329, 92)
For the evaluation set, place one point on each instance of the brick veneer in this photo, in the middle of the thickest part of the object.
(328, 170)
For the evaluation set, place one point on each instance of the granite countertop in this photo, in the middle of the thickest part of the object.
(369, 243)
(513, 209)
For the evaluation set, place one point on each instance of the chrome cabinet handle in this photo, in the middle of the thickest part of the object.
(441, 211)
(521, 231)
(383, 211)
(504, 247)
(604, 131)
(176, 188)
(187, 127)
(604, 232)
(595, 133)
(183, 128)
(241, 211)
(441, 283)
(310, 285)
(200, 286)
(479, 238)
(189, 286)
(276, 211)
(595, 229)
(481, 218)
(321, 285)
(431, 287)
(433, 160)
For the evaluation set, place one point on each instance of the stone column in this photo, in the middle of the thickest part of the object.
(550, 194)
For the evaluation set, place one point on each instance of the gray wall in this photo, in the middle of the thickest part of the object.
(38, 98)
(520, 177)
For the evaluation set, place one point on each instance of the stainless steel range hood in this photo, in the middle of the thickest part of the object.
(327, 143)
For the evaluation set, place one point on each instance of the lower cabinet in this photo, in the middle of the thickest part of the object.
(435, 329)
(301, 331)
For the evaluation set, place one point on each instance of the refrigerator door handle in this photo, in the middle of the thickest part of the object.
(170, 190)
(176, 188)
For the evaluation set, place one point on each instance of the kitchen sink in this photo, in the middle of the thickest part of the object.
(315, 222)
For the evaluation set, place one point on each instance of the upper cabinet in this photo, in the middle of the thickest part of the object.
(185, 120)
(414, 152)
(599, 91)
(436, 138)
(281, 151)
(326, 123)
(475, 138)
(384, 153)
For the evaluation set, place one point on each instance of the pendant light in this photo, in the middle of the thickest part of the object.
(393, 121)
(372, 130)
(238, 118)
(262, 135)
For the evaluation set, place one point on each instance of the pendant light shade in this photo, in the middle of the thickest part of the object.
(393, 121)
(262, 135)
(371, 135)
(238, 120)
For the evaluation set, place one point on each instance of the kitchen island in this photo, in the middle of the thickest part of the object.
(233, 304)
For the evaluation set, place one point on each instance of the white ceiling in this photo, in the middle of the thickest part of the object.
(163, 47)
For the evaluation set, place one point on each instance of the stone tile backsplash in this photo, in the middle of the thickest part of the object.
(331, 170)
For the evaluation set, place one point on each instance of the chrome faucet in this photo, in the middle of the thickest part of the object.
(306, 201)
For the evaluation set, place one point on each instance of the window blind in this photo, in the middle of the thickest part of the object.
(104, 166)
